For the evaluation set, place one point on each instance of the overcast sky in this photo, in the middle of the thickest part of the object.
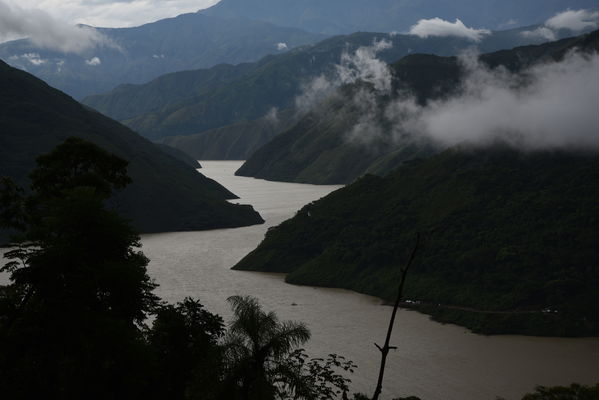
(111, 13)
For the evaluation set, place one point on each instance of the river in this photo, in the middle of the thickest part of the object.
(433, 361)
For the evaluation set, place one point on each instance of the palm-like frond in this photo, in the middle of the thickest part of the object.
(257, 341)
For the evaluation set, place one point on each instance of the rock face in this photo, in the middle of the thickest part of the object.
(167, 194)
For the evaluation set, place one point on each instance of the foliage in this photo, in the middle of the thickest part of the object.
(301, 377)
(510, 240)
(572, 392)
(70, 319)
(255, 345)
(185, 342)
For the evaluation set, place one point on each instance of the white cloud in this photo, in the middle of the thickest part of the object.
(363, 65)
(577, 20)
(94, 61)
(574, 20)
(439, 27)
(360, 65)
(113, 13)
(542, 33)
(551, 106)
(46, 31)
(282, 46)
(31, 58)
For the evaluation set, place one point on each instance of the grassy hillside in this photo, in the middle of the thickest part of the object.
(511, 240)
(167, 194)
(317, 150)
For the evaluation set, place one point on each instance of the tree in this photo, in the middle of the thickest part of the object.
(387, 346)
(572, 392)
(255, 345)
(70, 322)
(301, 377)
(185, 342)
(264, 361)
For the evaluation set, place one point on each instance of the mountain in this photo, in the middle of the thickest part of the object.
(136, 55)
(191, 102)
(510, 240)
(346, 16)
(233, 142)
(166, 195)
(318, 150)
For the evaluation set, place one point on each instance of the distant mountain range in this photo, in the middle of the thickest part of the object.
(317, 149)
(348, 16)
(136, 55)
(167, 193)
(190, 102)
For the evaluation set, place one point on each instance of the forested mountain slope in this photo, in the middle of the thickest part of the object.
(510, 239)
(319, 149)
(166, 195)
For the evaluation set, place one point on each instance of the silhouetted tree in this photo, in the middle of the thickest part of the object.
(255, 345)
(70, 320)
(185, 341)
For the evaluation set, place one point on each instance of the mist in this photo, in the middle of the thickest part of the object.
(549, 106)
(47, 32)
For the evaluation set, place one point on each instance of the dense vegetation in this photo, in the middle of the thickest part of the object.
(190, 102)
(511, 240)
(73, 321)
(138, 54)
(317, 149)
(345, 16)
(166, 195)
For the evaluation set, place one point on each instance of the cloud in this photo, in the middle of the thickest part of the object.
(541, 33)
(113, 13)
(282, 46)
(31, 58)
(361, 65)
(549, 106)
(272, 116)
(574, 20)
(94, 61)
(47, 32)
(439, 27)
